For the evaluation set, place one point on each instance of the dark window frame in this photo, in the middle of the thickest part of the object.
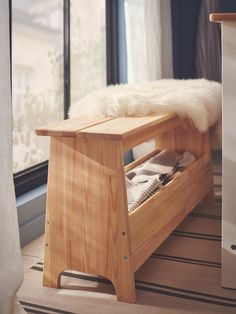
(35, 176)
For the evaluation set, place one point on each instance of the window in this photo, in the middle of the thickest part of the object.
(88, 47)
(37, 76)
(61, 50)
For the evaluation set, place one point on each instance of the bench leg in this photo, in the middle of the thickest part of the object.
(52, 270)
(125, 288)
(51, 277)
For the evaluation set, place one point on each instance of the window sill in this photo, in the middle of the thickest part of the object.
(31, 214)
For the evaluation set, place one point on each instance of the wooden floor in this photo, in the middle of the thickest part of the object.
(182, 276)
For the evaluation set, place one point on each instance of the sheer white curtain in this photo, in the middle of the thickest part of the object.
(149, 46)
(149, 39)
(208, 53)
(11, 271)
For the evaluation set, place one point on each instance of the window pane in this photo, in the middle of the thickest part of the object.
(37, 76)
(88, 47)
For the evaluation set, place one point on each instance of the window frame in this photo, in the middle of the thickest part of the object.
(32, 177)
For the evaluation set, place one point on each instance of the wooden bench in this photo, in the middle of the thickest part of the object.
(88, 227)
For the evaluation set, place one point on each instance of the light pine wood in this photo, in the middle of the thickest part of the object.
(132, 131)
(88, 227)
(167, 208)
(184, 137)
(223, 17)
(88, 230)
(187, 137)
(69, 127)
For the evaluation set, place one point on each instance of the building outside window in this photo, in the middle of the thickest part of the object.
(88, 47)
(38, 67)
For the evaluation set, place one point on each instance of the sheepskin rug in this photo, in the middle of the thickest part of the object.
(198, 100)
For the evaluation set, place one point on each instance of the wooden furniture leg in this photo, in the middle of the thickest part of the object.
(125, 286)
(87, 227)
(51, 276)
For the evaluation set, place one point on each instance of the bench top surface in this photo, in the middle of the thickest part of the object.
(69, 127)
(131, 131)
(105, 127)
(122, 127)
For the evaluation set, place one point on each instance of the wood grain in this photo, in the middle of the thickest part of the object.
(88, 227)
(167, 208)
(87, 216)
(223, 17)
(132, 131)
(69, 127)
(184, 137)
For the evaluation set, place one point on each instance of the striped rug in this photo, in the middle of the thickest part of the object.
(182, 276)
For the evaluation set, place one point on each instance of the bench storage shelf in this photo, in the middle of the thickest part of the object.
(88, 227)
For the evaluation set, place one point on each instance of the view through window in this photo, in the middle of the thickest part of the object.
(38, 63)
(37, 76)
(88, 47)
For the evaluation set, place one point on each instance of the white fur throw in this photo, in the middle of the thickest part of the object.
(198, 100)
